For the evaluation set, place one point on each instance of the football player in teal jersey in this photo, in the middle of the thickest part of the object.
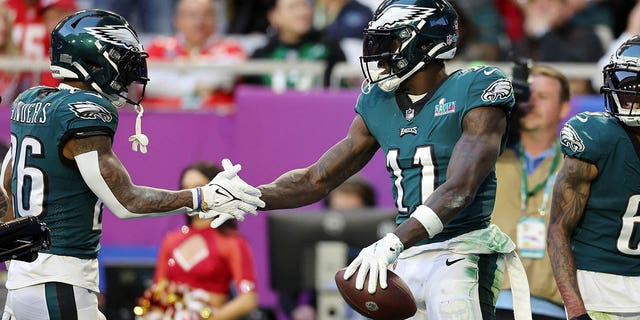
(62, 169)
(594, 229)
(441, 134)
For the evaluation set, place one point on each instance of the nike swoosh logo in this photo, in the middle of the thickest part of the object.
(448, 263)
(228, 195)
(488, 73)
(581, 119)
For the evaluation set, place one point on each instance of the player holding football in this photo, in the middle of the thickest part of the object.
(593, 230)
(62, 169)
(441, 134)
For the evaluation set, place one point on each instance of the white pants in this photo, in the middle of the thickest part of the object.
(449, 285)
(52, 301)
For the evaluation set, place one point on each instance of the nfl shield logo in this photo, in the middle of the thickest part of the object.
(409, 114)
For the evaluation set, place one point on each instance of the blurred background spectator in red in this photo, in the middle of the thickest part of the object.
(210, 269)
(34, 20)
(196, 39)
(9, 81)
(28, 30)
(52, 11)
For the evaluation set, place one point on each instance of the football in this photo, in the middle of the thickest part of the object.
(394, 302)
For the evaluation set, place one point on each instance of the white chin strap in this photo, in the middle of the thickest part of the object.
(630, 121)
(394, 82)
(139, 139)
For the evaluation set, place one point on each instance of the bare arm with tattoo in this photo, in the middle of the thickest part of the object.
(473, 157)
(305, 186)
(570, 194)
(135, 199)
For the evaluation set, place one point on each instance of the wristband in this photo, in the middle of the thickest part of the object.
(195, 195)
(582, 317)
(429, 220)
(203, 204)
(199, 204)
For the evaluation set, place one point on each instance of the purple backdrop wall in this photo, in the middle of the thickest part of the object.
(269, 134)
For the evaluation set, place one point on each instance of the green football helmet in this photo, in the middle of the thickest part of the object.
(99, 48)
(403, 37)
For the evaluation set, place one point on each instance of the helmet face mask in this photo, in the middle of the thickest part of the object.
(622, 83)
(404, 36)
(99, 48)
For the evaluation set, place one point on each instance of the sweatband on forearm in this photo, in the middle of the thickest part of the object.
(429, 220)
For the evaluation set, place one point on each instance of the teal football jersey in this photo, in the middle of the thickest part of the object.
(607, 237)
(418, 139)
(44, 183)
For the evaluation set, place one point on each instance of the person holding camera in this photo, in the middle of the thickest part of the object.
(525, 174)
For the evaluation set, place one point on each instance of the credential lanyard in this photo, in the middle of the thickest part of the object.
(547, 183)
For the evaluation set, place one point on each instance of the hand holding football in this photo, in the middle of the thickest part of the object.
(394, 302)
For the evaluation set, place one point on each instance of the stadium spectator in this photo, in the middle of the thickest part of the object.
(148, 16)
(203, 263)
(593, 229)
(441, 135)
(34, 21)
(52, 11)
(29, 31)
(551, 35)
(30, 34)
(488, 29)
(632, 28)
(249, 17)
(340, 19)
(355, 193)
(195, 40)
(525, 174)
(292, 38)
(64, 167)
(9, 81)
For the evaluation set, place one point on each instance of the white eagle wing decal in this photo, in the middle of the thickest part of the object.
(498, 90)
(118, 35)
(570, 138)
(400, 13)
(90, 110)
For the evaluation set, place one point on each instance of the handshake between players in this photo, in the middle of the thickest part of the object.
(226, 197)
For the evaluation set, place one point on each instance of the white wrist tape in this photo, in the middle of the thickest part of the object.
(196, 199)
(429, 220)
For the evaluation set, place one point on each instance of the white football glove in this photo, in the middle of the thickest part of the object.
(227, 196)
(375, 259)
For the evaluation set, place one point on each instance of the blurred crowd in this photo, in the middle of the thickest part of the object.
(226, 32)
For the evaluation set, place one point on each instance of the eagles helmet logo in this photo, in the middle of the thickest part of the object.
(570, 139)
(90, 110)
(399, 14)
(117, 35)
(498, 90)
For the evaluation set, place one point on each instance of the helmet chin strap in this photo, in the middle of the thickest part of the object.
(139, 139)
(394, 82)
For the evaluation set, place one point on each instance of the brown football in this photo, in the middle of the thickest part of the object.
(394, 302)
